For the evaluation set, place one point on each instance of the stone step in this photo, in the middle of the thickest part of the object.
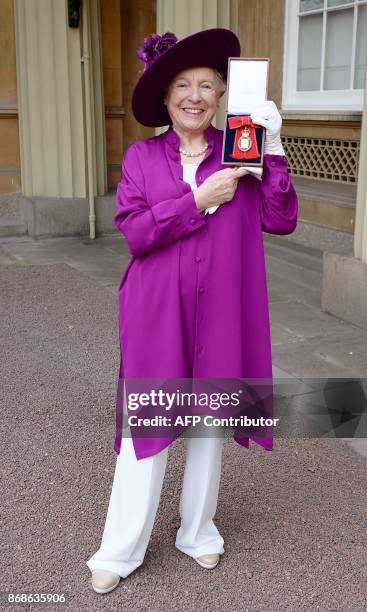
(297, 254)
(12, 228)
(295, 263)
(11, 218)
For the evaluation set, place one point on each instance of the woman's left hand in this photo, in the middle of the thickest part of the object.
(268, 116)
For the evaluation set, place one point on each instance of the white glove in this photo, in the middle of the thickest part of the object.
(269, 117)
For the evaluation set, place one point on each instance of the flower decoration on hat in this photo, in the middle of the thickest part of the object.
(154, 46)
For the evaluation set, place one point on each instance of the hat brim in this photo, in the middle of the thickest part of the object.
(206, 48)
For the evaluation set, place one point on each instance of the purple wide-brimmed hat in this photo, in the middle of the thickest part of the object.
(164, 56)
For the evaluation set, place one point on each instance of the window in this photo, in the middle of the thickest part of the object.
(325, 54)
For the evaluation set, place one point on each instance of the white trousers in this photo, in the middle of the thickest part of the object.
(135, 498)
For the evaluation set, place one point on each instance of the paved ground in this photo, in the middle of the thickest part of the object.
(293, 521)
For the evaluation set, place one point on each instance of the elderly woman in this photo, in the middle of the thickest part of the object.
(193, 299)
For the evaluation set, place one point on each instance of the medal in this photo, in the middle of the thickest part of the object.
(244, 142)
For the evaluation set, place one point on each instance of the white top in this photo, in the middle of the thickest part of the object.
(189, 171)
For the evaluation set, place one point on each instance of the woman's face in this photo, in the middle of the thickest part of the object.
(192, 97)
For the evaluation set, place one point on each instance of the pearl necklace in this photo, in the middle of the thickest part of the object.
(191, 154)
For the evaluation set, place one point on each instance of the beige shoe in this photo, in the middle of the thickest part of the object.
(208, 561)
(104, 581)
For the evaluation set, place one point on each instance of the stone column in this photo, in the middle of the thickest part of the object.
(344, 291)
(55, 150)
(360, 235)
(185, 18)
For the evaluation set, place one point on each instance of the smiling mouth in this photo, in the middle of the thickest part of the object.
(193, 111)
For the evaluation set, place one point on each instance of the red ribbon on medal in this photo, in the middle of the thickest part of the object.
(245, 145)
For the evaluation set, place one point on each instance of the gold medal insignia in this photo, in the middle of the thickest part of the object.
(244, 142)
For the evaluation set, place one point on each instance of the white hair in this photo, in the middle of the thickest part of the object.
(222, 86)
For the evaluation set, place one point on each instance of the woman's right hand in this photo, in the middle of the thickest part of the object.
(219, 188)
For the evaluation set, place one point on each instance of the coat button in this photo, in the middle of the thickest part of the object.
(197, 258)
(201, 289)
(192, 221)
(272, 163)
(200, 348)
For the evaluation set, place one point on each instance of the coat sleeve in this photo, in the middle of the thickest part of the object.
(278, 202)
(148, 228)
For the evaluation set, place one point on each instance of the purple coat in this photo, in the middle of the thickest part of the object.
(193, 300)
